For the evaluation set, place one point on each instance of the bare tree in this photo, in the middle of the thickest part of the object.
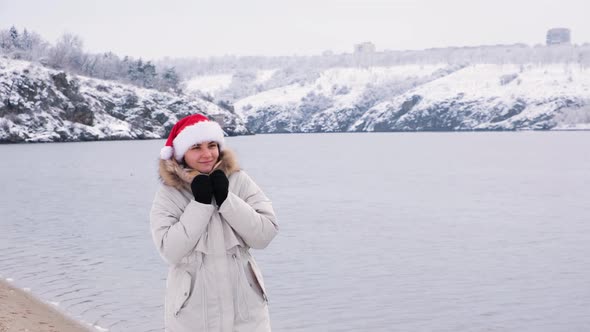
(67, 52)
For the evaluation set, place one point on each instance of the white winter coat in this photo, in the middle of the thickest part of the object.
(213, 281)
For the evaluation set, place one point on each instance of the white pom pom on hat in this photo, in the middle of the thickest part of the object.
(188, 131)
(166, 152)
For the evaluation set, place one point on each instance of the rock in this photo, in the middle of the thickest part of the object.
(84, 109)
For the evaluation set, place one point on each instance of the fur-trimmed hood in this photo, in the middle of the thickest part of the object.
(175, 175)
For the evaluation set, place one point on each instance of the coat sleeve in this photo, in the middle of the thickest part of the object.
(176, 231)
(249, 212)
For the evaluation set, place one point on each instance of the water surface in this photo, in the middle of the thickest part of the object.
(378, 232)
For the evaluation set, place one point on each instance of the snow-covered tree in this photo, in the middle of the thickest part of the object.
(107, 65)
(67, 52)
(149, 75)
(169, 80)
(26, 43)
(14, 37)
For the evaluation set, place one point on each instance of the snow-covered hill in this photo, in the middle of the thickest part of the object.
(426, 97)
(489, 97)
(333, 101)
(44, 105)
(209, 84)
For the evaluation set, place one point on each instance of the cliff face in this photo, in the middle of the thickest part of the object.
(429, 97)
(43, 105)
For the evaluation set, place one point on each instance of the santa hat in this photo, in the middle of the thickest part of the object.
(188, 131)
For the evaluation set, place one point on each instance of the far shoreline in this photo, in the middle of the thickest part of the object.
(318, 133)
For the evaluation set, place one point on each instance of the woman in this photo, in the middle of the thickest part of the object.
(204, 219)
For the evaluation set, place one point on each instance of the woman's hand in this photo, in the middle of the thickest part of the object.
(202, 190)
(220, 186)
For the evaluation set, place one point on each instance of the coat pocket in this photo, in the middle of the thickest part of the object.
(255, 280)
(181, 288)
(186, 299)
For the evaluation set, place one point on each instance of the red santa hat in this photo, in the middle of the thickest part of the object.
(188, 131)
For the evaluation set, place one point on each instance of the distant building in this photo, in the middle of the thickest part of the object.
(364, 48)
(558, 36)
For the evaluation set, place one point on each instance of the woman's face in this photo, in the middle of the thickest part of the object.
(202, 157)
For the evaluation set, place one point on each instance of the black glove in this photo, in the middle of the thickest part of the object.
(201, 187)
(220, 186)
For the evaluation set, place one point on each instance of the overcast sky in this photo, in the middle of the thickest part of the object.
(158, 28)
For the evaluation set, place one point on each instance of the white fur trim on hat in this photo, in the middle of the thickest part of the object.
(195, 134)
